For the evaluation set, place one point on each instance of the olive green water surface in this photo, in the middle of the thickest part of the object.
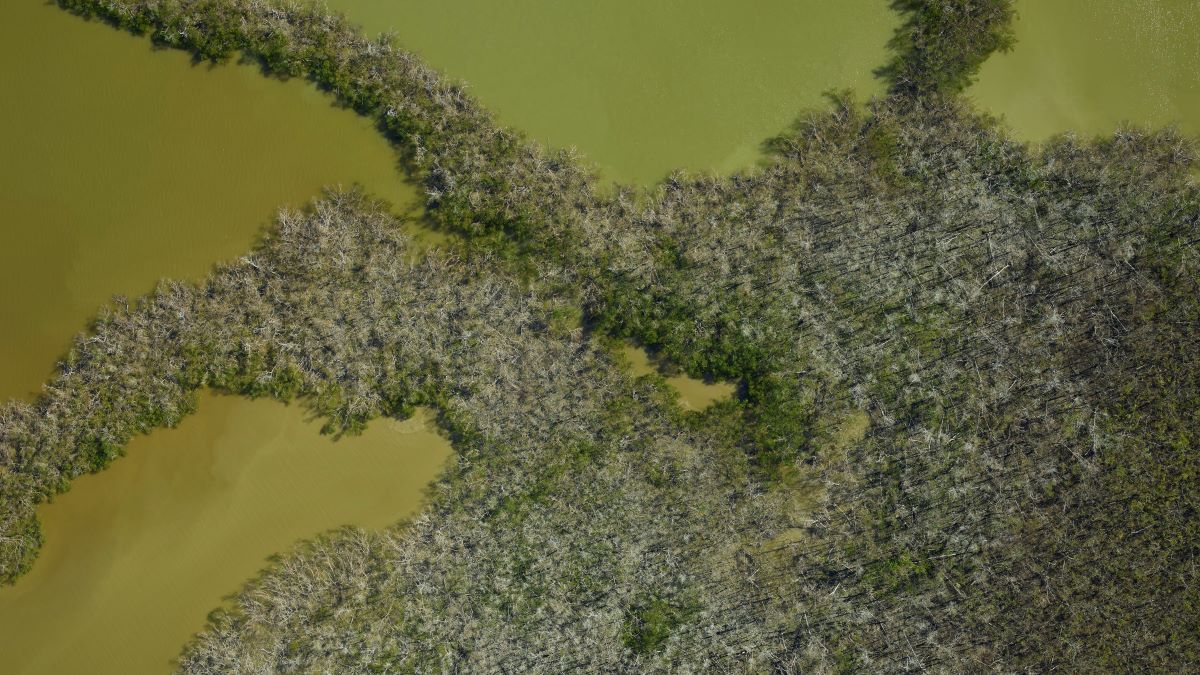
(644, 87)
(120, 165)
(693, 394)
(136, 556)
(1088, 65)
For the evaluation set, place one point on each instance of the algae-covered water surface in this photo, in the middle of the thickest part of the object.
(1090, 65)
(644, 88)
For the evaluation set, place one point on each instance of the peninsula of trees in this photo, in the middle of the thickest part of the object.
(965, 435)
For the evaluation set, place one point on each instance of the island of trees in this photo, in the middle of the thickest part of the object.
(965, 435)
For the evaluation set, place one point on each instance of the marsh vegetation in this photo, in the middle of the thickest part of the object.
(963, 437)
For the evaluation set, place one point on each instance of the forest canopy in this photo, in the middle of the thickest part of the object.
(964, 438)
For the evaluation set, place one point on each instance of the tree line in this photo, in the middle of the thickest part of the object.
(1016, 323)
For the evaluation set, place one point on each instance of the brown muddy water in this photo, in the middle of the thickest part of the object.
(693, 394)
(120, 165)
(137, 555)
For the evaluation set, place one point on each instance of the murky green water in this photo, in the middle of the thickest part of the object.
(645, 87)
(693, 394)
(136, 556)
(1088, 65)
(120, 165)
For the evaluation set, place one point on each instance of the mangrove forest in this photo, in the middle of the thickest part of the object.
(910, 394)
